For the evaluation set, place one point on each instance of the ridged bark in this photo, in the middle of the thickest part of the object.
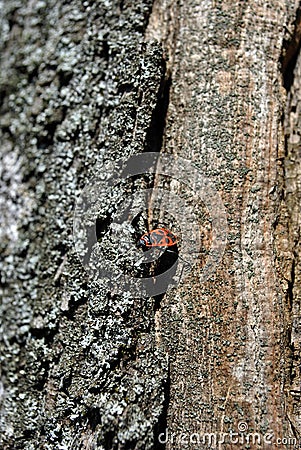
(216, 83)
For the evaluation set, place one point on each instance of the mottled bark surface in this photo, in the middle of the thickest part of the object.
(84, 368)
(235, 361)
(288, 235)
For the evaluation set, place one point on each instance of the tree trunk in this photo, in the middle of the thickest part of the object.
(214, 88)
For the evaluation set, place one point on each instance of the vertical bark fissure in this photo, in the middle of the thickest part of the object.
(155, 143)
(156, 130)
(161, 427)
(163, 31)
(291, 50)
(287, 230)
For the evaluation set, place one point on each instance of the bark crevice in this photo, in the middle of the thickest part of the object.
(161, 426)
(156, 130)
(290, 52)
(287, 229)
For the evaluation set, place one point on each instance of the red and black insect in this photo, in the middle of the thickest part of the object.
(158, 238)
(161, 239)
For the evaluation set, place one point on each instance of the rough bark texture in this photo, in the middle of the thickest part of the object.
(83, 368)
(235, 353)
(289, 226)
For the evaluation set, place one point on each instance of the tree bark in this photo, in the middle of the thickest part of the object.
(216, 358)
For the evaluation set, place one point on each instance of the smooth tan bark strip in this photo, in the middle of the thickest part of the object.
(228, 347)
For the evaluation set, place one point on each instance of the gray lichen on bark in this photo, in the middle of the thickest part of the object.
(79, 367)
(83, 81)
